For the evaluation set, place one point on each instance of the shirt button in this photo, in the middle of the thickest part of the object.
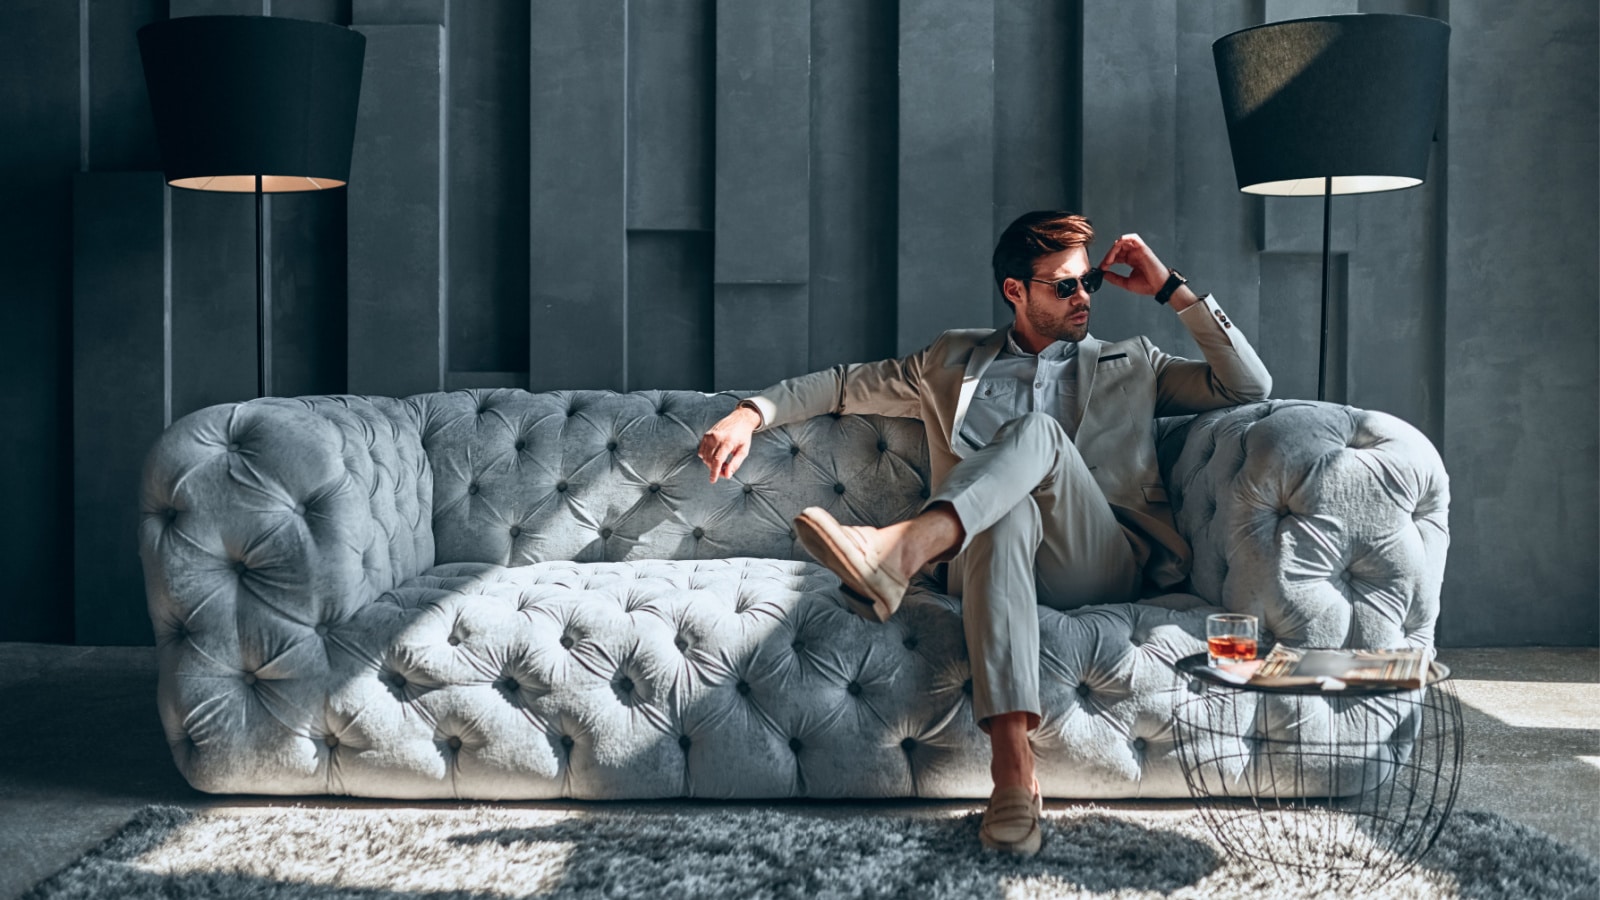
(1038, 384)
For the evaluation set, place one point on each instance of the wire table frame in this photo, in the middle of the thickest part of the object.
(1356, 784)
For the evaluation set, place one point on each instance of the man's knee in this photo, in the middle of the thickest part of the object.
(1037, 423)
(1019, 525)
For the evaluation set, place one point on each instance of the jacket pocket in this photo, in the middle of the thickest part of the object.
(1155, 493)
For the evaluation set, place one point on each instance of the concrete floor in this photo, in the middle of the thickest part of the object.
(85, 749)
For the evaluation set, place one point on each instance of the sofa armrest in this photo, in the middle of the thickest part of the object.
(264, 525)
(1329, 523)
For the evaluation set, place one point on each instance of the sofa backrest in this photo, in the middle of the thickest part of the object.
(598, 476)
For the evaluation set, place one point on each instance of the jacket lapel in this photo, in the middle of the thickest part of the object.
(983, 353)
(1088, 363)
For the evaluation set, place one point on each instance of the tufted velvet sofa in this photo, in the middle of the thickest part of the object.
(500, 594)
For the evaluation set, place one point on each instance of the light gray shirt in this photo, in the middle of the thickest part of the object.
(1019, 382)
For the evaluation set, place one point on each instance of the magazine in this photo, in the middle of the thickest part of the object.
(1332, 669)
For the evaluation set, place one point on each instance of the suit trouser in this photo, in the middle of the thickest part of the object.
(1038, 530)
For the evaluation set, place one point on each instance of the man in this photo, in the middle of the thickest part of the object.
(1046, 487)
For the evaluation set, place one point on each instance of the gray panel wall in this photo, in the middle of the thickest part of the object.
(705, 195)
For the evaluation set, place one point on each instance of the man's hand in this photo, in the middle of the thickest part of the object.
(725, 445)
(1148, 274)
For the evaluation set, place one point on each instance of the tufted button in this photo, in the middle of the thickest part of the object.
(908, 745)
(397, 680)
(240, 567)
(566, 741)
(748, 489)
(561, 487)
(683, 741)
(454, 641)
(1139, 744)
(699, 532)
(611, 445)
(516, 531)
(520, 445)
(655, 488)
(798, 646)
(331, 741)
(966, 687)
(234, 447)
(299, 509)
(249, 678)
(169, 514)
(321, 628)
(838, 488)
(910, 643)
(572, 412)
(454, 742)
(661, 410)
(1083, 689)
(794, 744)
(472, 488)
(605, 534)
(625, 684)
(794, 449)
(743, 687)
(854, 688)
(508, 684)
(681, 643)
(567, 641)
(883, 446)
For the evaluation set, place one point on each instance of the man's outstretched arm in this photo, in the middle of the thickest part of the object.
(889, 387)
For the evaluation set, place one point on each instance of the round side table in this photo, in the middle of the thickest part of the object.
(1355, 783)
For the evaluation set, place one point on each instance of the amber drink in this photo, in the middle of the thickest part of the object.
(1230, 637)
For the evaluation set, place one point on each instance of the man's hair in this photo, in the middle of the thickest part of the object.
(1035, 234)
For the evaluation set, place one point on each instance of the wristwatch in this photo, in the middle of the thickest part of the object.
(1174, 281)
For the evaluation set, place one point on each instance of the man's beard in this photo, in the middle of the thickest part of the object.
(1059, 329)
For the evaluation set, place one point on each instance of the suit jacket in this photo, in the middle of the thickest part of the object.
(1122, 388)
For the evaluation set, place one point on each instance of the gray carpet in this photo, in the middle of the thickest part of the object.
(487, 851)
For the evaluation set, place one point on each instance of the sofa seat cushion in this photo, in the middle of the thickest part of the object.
(714, 678)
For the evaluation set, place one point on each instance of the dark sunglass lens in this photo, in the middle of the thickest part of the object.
(1091, 281)
(1066, 287)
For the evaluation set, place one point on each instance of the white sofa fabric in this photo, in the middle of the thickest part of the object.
(503, 594)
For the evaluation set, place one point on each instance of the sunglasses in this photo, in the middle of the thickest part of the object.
(1067, 287)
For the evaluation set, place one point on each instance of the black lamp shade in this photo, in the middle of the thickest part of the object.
(1354, 98)
(239, 96)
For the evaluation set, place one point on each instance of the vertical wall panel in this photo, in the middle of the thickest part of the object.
(669, 311)
(213, 299)
(119, 338)
(577, 331)
(122, 133)
(1217, 239)
(1520, 427)
(1038, 69)
(1290, 332)
(671, 75)
(1130, 148)
(398, 274)
(763, 190)
(39, 98)
(946, 179)
(488, 176)
(854, 97)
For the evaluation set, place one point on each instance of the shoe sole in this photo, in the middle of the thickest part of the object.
(829, 547)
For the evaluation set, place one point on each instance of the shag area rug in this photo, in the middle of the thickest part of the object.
(486, 852)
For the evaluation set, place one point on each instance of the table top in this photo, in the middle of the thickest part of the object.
(1196, 666)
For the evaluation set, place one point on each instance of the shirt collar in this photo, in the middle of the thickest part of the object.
(1057, 350)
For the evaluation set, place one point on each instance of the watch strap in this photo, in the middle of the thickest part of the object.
(1175, 280)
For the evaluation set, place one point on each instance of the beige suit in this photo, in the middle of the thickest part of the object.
(1075, 522)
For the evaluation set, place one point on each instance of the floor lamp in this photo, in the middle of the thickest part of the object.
(253, 104)
(1332, 105)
